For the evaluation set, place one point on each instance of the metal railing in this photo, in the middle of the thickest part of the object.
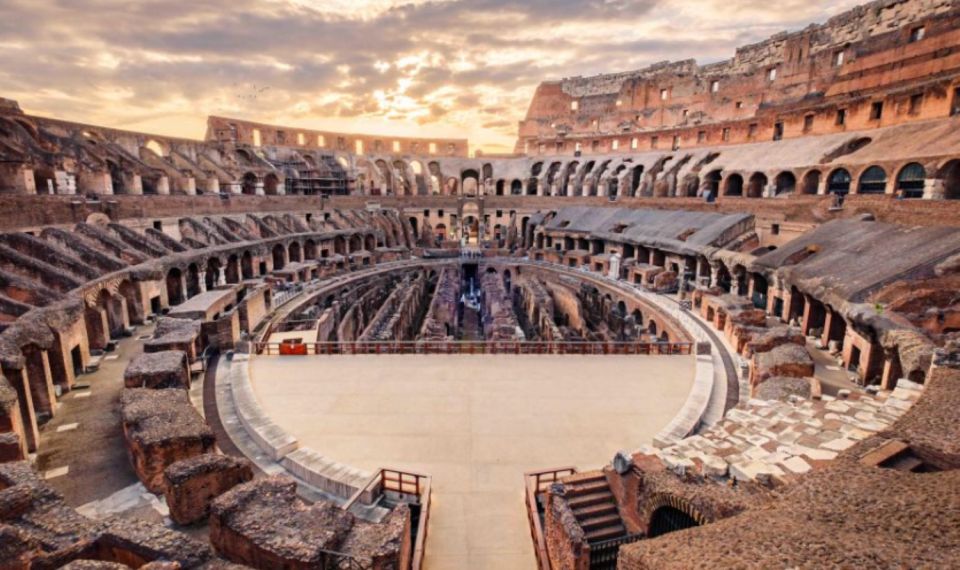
(537, 483)
(473, 347)
(604, 555)
(401, 486)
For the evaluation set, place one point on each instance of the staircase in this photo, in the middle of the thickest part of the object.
(594, 507)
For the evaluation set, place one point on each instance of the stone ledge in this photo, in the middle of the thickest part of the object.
(269, 436)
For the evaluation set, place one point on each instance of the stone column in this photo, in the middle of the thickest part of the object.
(222, 276)
(203, 281)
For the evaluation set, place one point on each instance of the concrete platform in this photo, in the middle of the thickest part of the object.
(476, 424)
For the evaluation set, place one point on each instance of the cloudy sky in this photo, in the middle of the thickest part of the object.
(396, 67)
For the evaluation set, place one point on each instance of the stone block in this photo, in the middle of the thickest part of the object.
(192, 484)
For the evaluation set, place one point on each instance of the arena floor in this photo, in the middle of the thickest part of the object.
(476, 424)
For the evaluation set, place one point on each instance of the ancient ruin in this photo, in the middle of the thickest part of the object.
(703, 316)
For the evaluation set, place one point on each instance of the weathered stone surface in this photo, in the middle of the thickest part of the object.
(192, 484)
(166, 369)
(789, 360)
(161, 427)
(265, 525)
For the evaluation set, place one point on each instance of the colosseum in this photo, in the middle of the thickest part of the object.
(702, 316)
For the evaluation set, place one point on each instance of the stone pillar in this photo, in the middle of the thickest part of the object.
(933, 189)
(222, 276)
(163, 186)
(202, 278)
(259, 188)
(714, 273)
(614, 272)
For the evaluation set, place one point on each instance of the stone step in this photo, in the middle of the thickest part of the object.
(594, 523)
(586, 488)
(591, 499)
(606, 533)
(600, 509)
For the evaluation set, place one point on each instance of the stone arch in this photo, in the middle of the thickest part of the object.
(811, 182)
(156, 148)
(310, 250)
(516, 188)
(193, 280)
(872, 181)
(134, 301)
(500, 186)
(232, 272)
(248, 184)
(246, 265)
(839, 182)
(711, 183)
(44, 180)
(757, 185)
(470, 182)
(950, 174)
(175, 287)
(294, 252)
(211, 276)
(785, 183)
(271, 184)
(487, 171)
(370, 242)
(279, 259)
(733, 185)
(669, 518)
(911, 180)
(636, 177)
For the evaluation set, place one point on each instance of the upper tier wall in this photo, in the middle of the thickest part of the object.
(900, 54)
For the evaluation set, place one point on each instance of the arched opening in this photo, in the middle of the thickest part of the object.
(248, 185)
(212, 275)
(785, 183)
(270, 184)
(370, 242)
(44, 181)
(174, 282)
(500, 186)
(470, 182)
(912, 180)
(293, 253)
(637, 176)
(733, 185)
(758, 182)
(278, 257)
(155, 147)
(415, 227)
(950, 174)
(839, 182)
(246, 265)
(516, 188)
(310, 250)
(669, 519)
(569, 180)
(117, 179)
(356, 243)
(711, 184)
(872, 181)
(340, 245)
(451, 187)
(532, 186)
(232, 273)
(811, 182)
(131, 294)
(193, 280)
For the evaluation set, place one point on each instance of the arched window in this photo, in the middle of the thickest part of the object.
(911, 180)
(873, 181)
(839, 182)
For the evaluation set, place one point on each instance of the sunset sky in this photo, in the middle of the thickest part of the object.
(420, 68)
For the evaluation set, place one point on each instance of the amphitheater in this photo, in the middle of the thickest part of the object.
(704, 316)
